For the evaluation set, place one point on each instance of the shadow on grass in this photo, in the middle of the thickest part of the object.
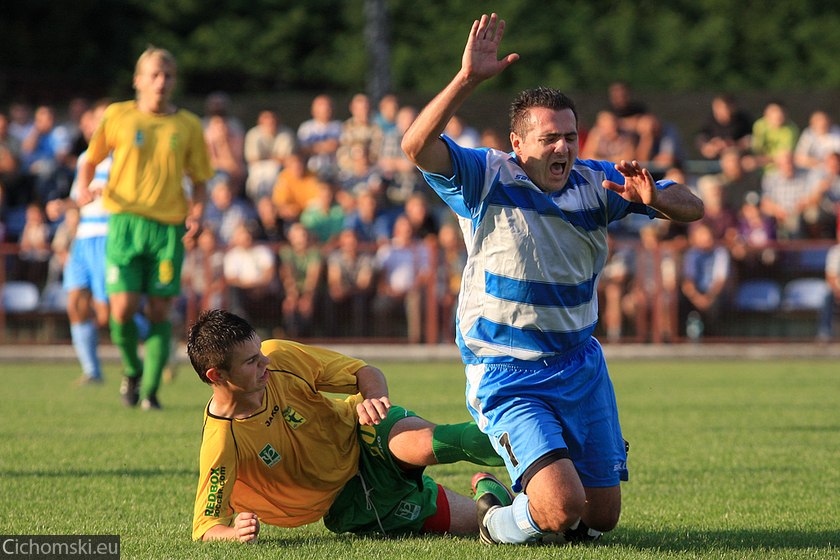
(736, 539)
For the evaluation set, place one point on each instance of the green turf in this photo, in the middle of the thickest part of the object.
(728, 460)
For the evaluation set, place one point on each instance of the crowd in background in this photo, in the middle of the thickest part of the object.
(327, 230)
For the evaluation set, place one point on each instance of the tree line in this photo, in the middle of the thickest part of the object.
(60, 47)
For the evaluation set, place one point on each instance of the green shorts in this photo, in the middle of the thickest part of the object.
(143, 256)
(382, 497)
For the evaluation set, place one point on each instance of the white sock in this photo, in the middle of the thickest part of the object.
(513, 524)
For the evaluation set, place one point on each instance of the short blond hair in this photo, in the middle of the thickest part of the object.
(155, 52)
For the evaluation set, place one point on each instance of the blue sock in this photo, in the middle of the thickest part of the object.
(513, 524)
(85, 338)
(143, 326)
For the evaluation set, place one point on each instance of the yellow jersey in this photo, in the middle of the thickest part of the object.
(288, 461)
(151, 155)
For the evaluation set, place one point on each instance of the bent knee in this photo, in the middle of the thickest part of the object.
(557, 517)
(603, 521)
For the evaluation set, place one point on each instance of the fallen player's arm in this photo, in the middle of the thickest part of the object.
(246, 528)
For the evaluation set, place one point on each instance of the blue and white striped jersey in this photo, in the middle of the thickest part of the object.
(529, 288)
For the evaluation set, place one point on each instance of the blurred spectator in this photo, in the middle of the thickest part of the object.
(386, 114)
(295, 188)
(203, 278)
(423, 222)
(77, 108)
(224, 212)
(756, 232)
(226, 151)
(9, 150)
(403, 272)
(786, 195)
(20, 120)
(350, 284)
(728, 126)
(718, 216)
(463, 134)
(450, 268)
(401, 174)
(826, 191)
(358, 131)
(251, 278)
(606, 141)
(820, 138)
(218, 103)
(34, 250)
(359, 172)
(659, 145)
(271, 227)
(772, 134)
(736, 180)
(492, 138)
(705, 276)
(267, 145)
(44, 154)
(371, 225)
(301, 266)
(324, 217)
(832, 278)
(319, 136)
(626, 109)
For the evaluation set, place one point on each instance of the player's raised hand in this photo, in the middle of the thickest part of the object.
(247, 527)
(638, 183)
(481, 55)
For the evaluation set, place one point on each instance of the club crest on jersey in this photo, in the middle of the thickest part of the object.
(138, 138)
(293, 418)
(269, 455)
(407, 511)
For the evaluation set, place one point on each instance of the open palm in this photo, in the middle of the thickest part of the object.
(480, 60)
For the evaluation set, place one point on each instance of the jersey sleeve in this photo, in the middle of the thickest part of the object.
(321, 368)
(462, 191)
(100, 143)
(217, 474)
(197, 164)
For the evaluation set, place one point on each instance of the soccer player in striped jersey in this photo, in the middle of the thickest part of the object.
(535, 225)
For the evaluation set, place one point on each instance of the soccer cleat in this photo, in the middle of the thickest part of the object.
(579, 533)
(130, 390)
(88, 380)
(484, 506)
(150, 403)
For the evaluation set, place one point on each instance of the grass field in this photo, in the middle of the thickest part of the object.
(728, 460)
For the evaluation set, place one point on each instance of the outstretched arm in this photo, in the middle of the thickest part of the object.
(479, 62)
(675, 203)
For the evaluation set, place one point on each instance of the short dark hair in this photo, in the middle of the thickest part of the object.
(546, 97)
(212, 337)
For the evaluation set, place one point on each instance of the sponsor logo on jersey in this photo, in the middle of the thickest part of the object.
(216, 492)
(407, 510)
(293, 418)
(269, 455)
(371, 440)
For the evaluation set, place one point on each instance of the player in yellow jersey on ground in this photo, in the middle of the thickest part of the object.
(277, 449)
(154, 146)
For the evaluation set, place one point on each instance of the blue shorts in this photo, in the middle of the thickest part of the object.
(532, 408)
(85, 267)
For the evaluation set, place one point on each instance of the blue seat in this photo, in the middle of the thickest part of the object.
(758, 295)
(20, 297)
(804, 294)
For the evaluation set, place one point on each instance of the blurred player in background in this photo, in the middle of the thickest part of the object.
(154, 145)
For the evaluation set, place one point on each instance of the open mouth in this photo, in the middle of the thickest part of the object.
(558, 167)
